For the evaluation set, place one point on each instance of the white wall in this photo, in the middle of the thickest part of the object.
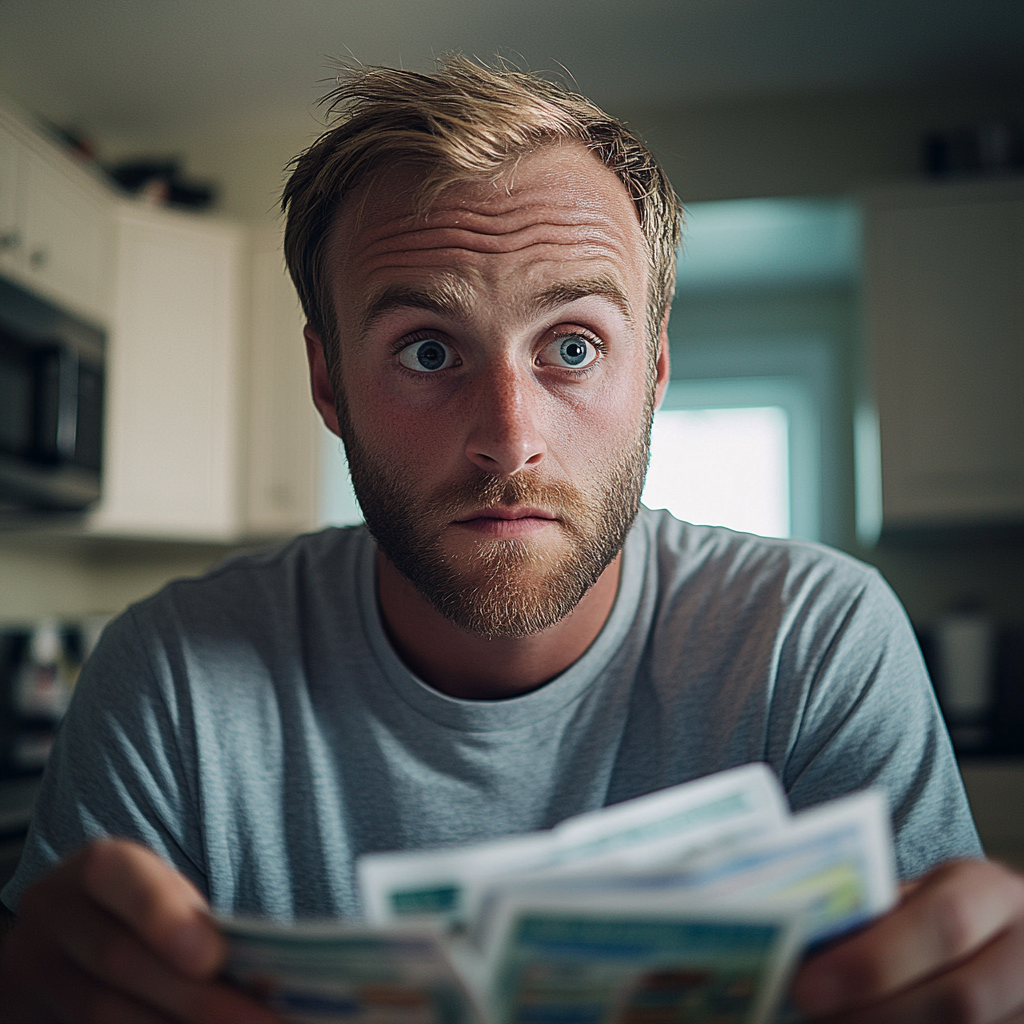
(43, 574)
(729, 149)
(811, 145)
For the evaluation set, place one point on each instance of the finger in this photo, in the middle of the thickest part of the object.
(75, 998)
(105, 949)
(952, 912)
(156, 902)
(22, 968)
(988, 988)
(55, 990)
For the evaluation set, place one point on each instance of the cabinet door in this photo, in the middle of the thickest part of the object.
(10, 221)
(68, 233)
(945, 305)
(282, 479)
(56, 224)
(171, 463)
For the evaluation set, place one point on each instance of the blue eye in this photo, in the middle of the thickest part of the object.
(426, 356)
(573, 351)
(570, 350)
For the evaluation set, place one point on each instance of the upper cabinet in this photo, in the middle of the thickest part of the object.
(174, 442)
(210, 433)
(56, 228)
(284, 472)
(944, 289)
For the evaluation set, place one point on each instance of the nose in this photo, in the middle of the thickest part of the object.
(505, 435)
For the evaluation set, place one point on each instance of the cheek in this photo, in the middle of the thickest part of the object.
(616, 408)
(589, 437)
(406, 433)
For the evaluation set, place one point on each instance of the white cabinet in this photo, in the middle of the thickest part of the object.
(283, 477)
(210, 431)
(297, 474)
(944, 288)
(56, 223)
(173, 460)
(10, 209)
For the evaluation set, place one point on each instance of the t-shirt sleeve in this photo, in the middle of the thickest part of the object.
(119, 766)
(868, 716)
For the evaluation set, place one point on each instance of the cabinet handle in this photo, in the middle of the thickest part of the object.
(9, 240)
(39, 258)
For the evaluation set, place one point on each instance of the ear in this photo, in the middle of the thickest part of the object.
(320, 380)
(663, 369)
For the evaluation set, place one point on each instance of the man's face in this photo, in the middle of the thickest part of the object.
(494, 390)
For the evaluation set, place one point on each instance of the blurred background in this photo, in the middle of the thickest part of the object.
(847, 337)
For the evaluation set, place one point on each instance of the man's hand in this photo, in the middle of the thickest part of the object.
(115, 935)
(952, 950)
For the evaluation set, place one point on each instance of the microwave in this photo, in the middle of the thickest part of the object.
(51, 406)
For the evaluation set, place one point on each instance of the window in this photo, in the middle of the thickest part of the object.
(722, 467)
(338, 504)
(740, 452)
(765, 317)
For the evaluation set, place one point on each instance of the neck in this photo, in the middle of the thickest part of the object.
(464, 665)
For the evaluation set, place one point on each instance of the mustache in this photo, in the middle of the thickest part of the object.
(563, 500)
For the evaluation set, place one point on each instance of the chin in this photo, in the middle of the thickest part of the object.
(509, 588)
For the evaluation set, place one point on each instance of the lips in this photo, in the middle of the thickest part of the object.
(507, 512)
(506, 522)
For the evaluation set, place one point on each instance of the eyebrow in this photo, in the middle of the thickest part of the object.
(603, 286)
(450, 297)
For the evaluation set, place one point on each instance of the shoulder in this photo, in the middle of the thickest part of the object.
(309, 555)
(703, 567)
(801, 656)
(211, 649)
(779, 621)
(267, 584)
(232, 622)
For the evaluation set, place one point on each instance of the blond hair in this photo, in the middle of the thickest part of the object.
(464, 123)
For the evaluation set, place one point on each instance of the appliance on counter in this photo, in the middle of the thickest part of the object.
(39, 665)
(38, 668)
(965, 647)
(51, 406)
(977, 666)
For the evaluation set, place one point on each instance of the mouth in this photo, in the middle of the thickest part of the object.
(506, 520)
(506, 512)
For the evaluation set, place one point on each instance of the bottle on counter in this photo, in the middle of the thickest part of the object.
(39, 666)
(965, 644)
(42, 688)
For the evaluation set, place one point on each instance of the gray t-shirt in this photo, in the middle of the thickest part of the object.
(256, 729)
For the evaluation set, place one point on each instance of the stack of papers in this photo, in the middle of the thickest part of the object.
(692, 904)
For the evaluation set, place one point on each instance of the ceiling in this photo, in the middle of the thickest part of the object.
(118, 69)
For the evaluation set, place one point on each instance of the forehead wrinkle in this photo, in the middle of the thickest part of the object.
(459, 238)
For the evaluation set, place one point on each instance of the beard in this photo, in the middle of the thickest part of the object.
(500, 587)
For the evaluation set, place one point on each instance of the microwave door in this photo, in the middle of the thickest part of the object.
(66, 438)
(57, 405)
(17, 386)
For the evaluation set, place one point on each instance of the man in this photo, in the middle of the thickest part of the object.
(486, 264)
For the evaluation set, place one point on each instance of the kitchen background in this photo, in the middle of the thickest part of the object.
(850, 307)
